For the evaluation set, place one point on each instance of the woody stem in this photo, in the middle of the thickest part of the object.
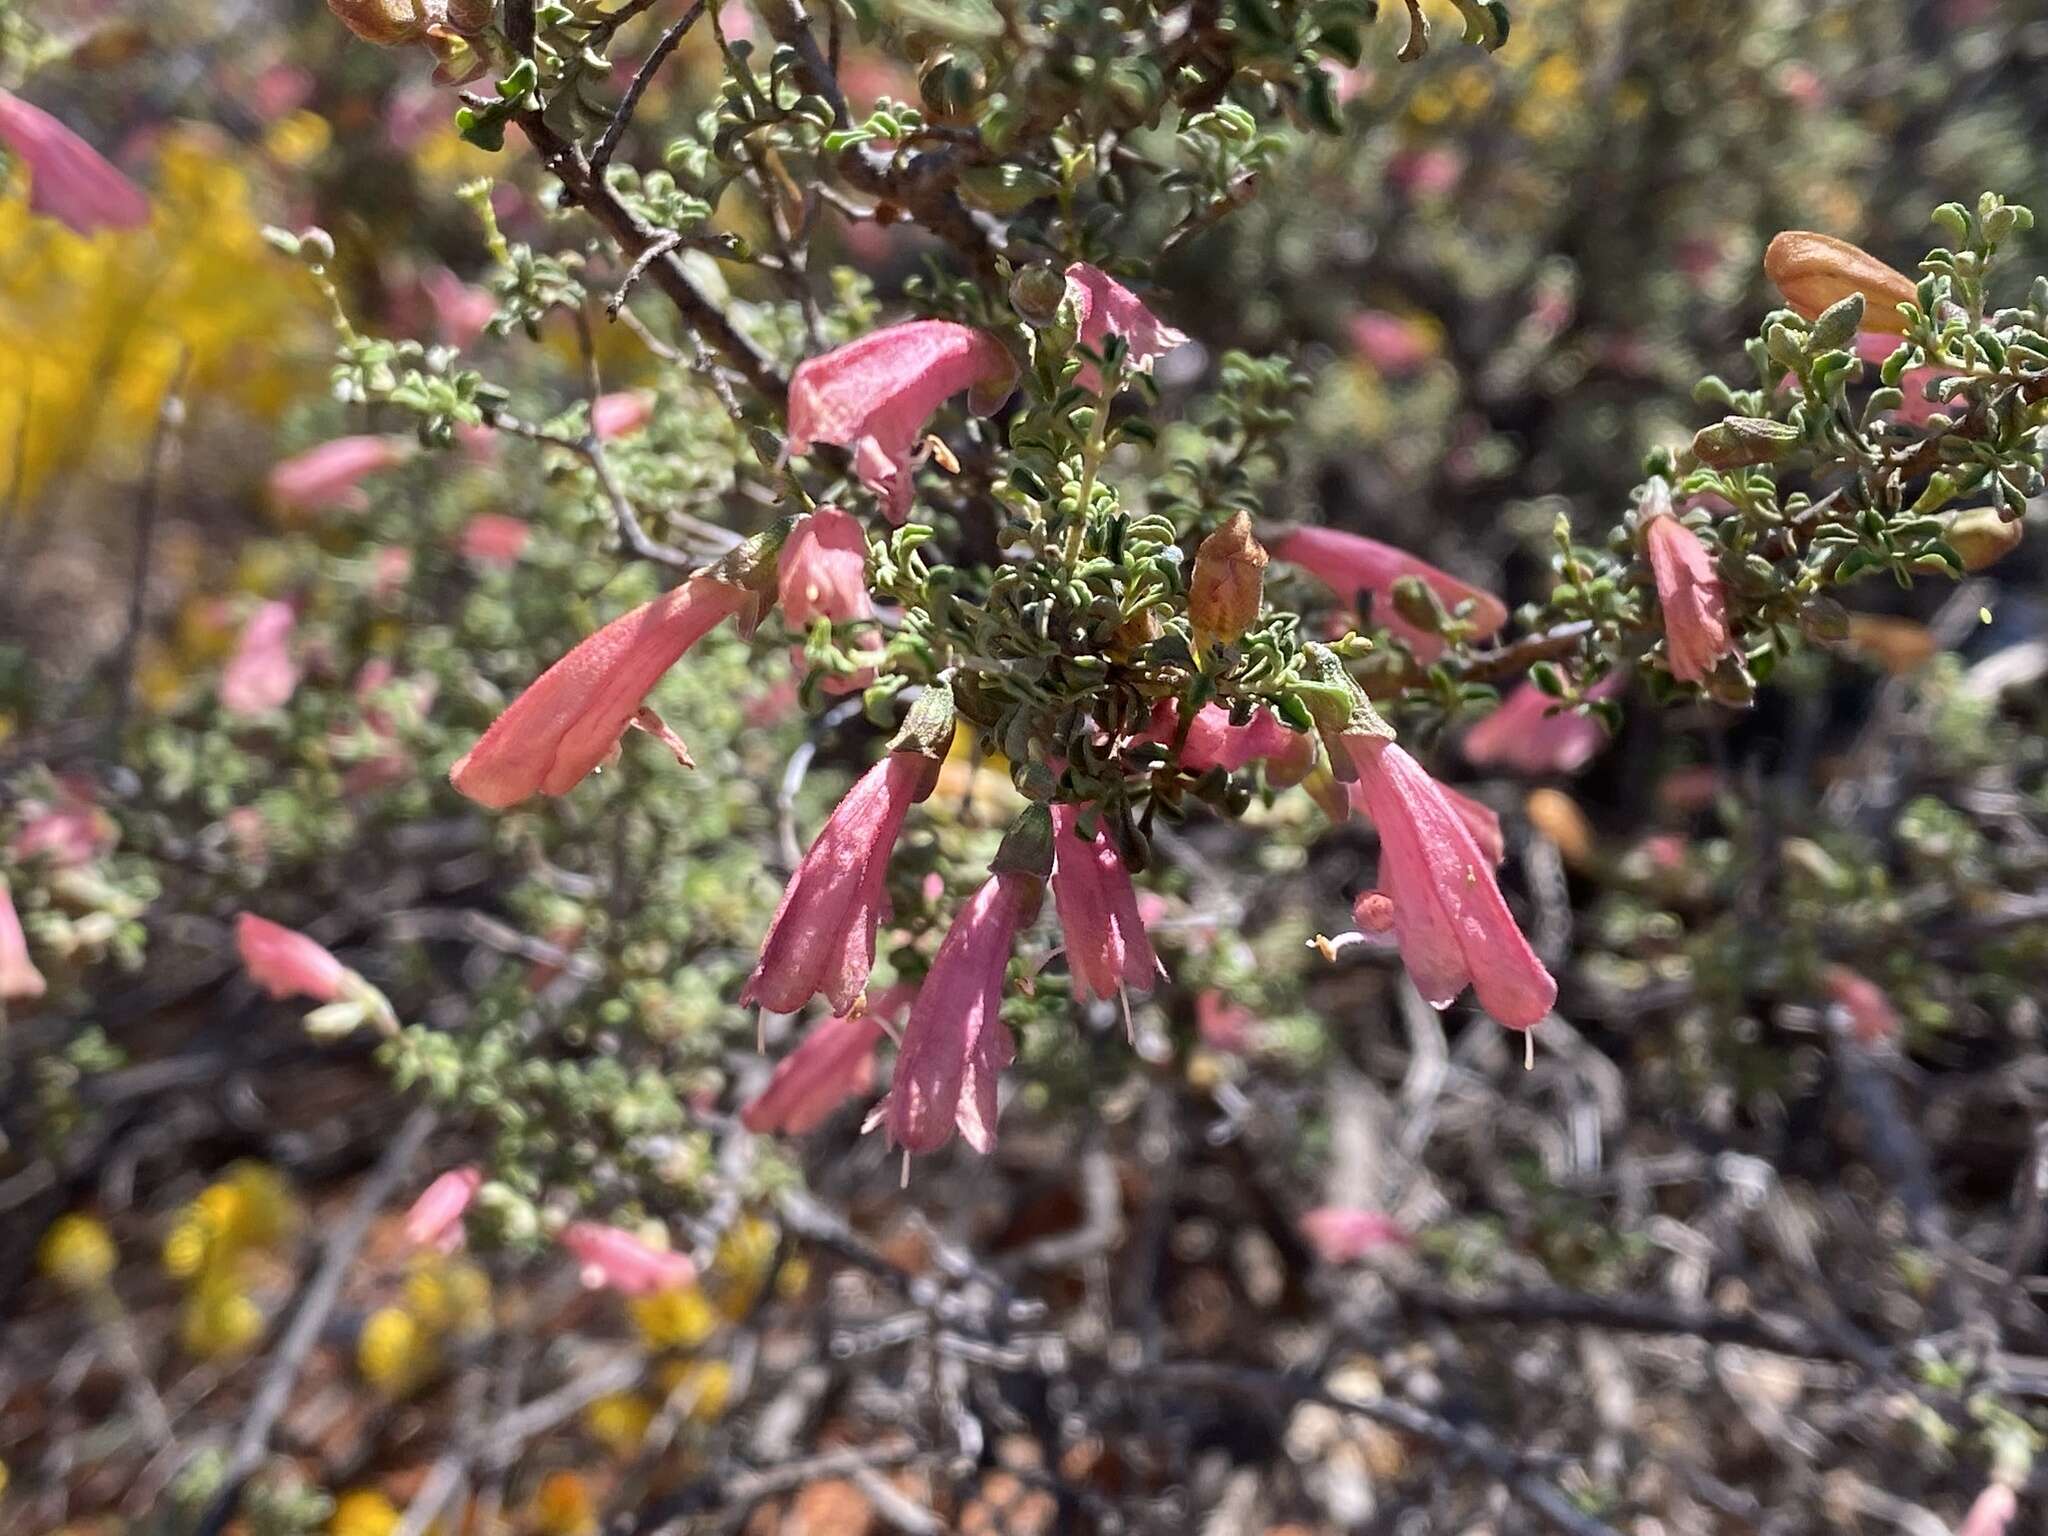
(1091, 461)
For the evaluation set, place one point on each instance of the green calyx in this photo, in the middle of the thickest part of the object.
(1027, 847)
(1338, 705)
(928, 728)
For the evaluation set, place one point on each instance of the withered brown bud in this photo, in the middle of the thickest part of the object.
(1815, 271)
(1228, 578)
(395, 23)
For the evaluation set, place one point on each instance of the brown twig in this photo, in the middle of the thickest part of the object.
(608, 141)
(316, 1300)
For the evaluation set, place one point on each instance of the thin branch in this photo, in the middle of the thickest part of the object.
(608, 142)
(566, 162)
(163, 453)
(1771, 1331)
(1466, 1441)
(316, 1301)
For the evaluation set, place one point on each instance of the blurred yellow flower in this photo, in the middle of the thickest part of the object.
(740, 1266)
(249, 1207)
(394, 1353)
(705, 1385)
(618, 1421)
(218, 1320)
(298, 139)
(974, 791)
(77, 1253)
(677, 1319)
(794, 1278)
(185, 1249)
(562, 1506)
(100, 325)
(363, 1512)
(448, 1295)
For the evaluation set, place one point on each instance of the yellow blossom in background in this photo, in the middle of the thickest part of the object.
(98, 324)
(562, 1506)
(446, 156)
(249, 1207)
(185, 1249)
(218, 1320)
(974, 790)
(77, 1253)
(618, 1421)
(394, 1353)
(298, 139)
(705, 1386)
(448, 1295)
(740, 1266)
(794, 1278)
(677, 1319)
(363, 1512)
(1553, 97)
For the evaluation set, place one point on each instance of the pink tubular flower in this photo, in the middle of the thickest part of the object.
(71, 832)
(1991, 1513)
(875, 395)
(1696, 634)
(1350, 564)
(329, 477)
(1872, 1019)
(460, 311)
(18, 974)
(1426, 172)
(494, 539)
(1343, 1234)
(435, 1220)
(285, 963)
(835, 1062)
(1529, 733)
(824, 570)
(1453, 924)
(68, 179)
(1480, 819)
(1395, 346)
(1214, 742)
(390, 570)
(1107, 950)
(1224, 1025)
(1106, 307)
(574, 713)
(614, 1259)
(956, 1045)
(823, 936)
(620, 414)
(261, 674)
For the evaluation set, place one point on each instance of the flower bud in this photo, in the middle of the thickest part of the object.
(387, 23)
(1982, 537)
(395, 23)
(1037, 291)
(1225, 586)
(1556, 816)
(1815, 272)
(1741, 440)
(1415, 601)
(948, 86)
